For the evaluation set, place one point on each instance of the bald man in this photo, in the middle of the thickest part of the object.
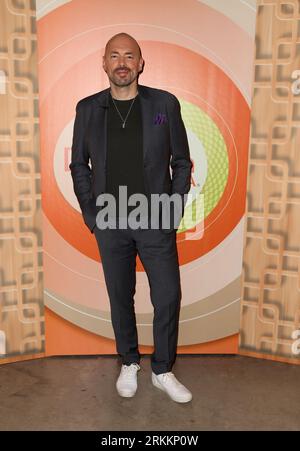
(132, 137)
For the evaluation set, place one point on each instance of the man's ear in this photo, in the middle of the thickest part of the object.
(104, 63)
(141, 65)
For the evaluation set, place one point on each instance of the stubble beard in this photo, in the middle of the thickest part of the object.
(122, 83)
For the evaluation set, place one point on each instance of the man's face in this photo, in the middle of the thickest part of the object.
(122, 61)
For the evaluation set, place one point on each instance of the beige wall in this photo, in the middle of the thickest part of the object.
(21, 276)
(271, 276)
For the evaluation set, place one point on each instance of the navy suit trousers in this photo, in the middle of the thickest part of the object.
(157, 250)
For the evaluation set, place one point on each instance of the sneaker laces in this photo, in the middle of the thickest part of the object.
(170, 377)
(128, 370)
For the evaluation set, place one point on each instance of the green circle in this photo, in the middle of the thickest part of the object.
(215, 149)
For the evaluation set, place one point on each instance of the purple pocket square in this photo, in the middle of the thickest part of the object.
(160, 118)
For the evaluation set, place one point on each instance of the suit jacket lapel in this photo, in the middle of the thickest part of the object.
(147, 114)
(98, 127)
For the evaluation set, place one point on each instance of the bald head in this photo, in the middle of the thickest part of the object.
(123, 38)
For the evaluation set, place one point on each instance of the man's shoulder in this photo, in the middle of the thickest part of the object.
(89, 100)
(157, 93)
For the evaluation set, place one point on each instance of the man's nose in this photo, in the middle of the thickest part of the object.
(122, 60)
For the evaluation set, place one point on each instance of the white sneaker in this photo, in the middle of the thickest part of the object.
(168, 383)
(127, 381)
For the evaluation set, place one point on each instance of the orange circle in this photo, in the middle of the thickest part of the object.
(196, 80)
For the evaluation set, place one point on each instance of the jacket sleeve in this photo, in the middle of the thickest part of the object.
(80, 169)
(181, 164)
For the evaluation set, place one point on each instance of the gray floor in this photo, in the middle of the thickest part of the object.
(78, 393)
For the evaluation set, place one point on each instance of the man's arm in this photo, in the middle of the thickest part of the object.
(181, 163)
(79, 166)
(80, 170)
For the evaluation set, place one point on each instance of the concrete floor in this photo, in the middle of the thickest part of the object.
(78, 393)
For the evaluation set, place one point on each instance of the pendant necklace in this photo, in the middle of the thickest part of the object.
(124, 120)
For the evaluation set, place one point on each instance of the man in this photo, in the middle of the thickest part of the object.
(129, 133)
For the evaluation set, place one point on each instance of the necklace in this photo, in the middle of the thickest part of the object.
(122, 119)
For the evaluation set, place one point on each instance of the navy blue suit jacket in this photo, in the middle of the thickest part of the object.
(165, 147)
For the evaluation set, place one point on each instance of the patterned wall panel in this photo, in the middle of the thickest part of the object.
(21, 277)
(270, 317)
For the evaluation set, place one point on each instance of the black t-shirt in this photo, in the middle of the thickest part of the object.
(124, 150)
